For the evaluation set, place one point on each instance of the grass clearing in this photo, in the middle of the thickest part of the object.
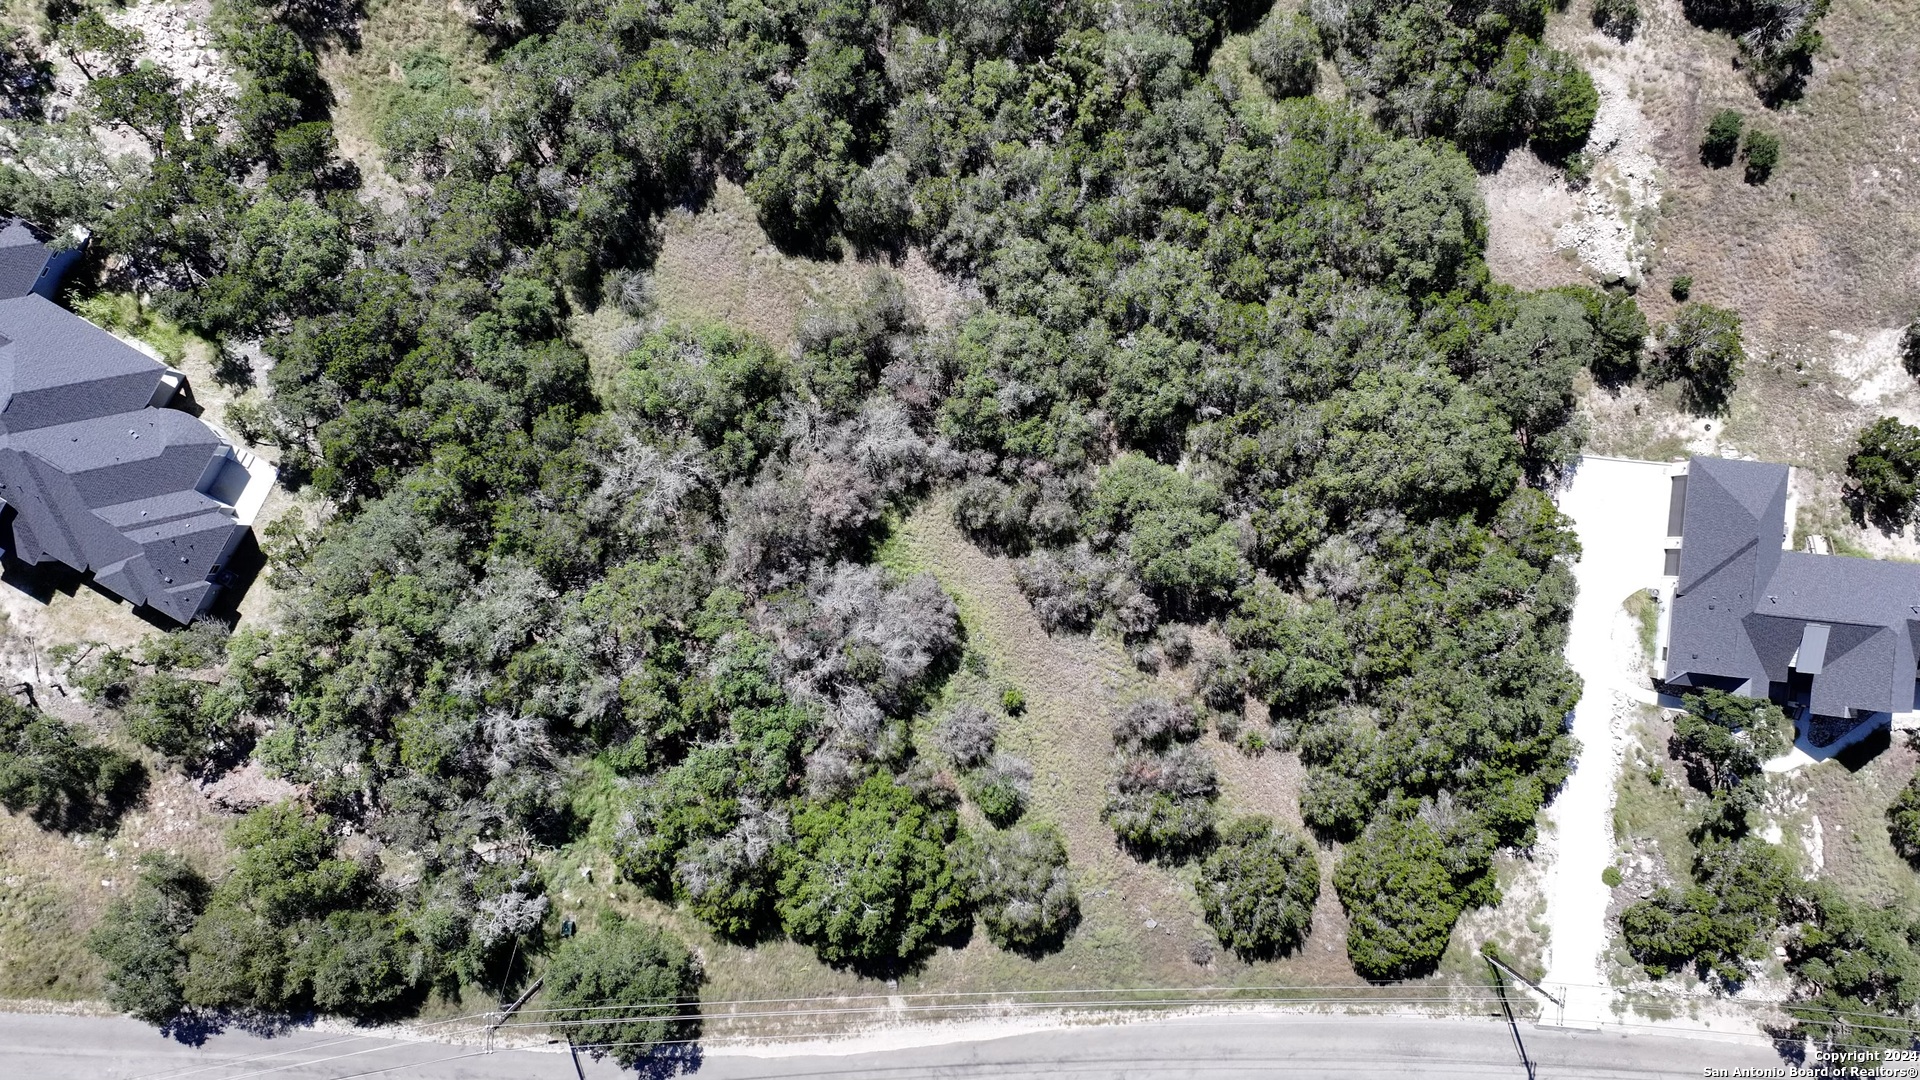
(1644, 607)
(1653, 807)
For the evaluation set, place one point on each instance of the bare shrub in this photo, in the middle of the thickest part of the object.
(967, 734)
(1154, 722)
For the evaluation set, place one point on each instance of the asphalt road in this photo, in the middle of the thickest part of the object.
(36, 1047)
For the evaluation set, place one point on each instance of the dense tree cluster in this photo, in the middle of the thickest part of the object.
(538, 604)
(1476, 72)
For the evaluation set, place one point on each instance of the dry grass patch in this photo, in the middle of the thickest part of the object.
(716, 263)
(363, 74)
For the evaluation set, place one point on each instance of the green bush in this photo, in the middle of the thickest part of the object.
(1258, 889)
(58, 777)
(869, 883)
(1761, 151)
(1903, 821)
(644, 969)
(1617, 18)
(1610, 877)
(1019, 884)
(1160, 803)
(1883, 473)
(1910, 348)
(1722, 141)
(166, 715)
(1285, 54)
(1701, 350)
(1682, 288)
(999, 789)
(141, 938)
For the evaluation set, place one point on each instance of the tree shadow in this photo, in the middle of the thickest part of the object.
(669, 1060)
(193, 1027)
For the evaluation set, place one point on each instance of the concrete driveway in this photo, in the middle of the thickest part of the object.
(1619, 508)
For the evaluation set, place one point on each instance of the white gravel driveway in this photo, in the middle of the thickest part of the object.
(1619, 508)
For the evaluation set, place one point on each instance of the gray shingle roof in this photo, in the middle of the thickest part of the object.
(96, 477)
(1745, 609)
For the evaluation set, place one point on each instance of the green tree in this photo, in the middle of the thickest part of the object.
(869, 883)
(1258, 889)
(1722, 924)
(1020, 884)
(1723, 740)
(1285, 54)
(168, 715)
(60, 779)
(1403, 884)
(1701, 350)
(141, 938)
(1761, 151)
(1722, 140)
(1858, 974)
(644, 970)
(1883, 473)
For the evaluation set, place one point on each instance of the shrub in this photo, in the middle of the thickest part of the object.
(141, 939)
(1020, 885)
(1761, 153)
(1161, 804)
(1883, 473)
(1285, 54)
(1617, 18)
(1154, 723)
(1910, 348)
(967, 734)
(1682, 288)
(1258, 889)
(1701, 351)
(868, 883)
(1000, 789)
(1903, 821)
(1722, 140)
(1610, 877)
(1013, 700)
(57, 777)
(644, 968)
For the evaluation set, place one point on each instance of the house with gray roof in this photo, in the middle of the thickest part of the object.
(99, 467)
(1831, 634)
